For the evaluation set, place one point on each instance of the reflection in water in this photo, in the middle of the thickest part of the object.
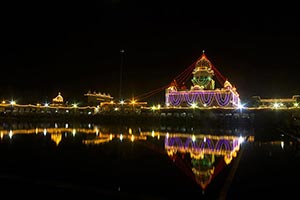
(203, 155)
(203, 152)
(172, 158)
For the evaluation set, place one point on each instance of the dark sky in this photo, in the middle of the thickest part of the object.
(75, 47)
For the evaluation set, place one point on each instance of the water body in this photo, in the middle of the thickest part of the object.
(157, 162)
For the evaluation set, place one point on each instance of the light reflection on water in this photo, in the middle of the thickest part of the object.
(201, 155)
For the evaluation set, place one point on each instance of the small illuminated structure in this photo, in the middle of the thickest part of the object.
(202, 92)
(58, 100)
(96, 98)
(123, 105)
(276, 103)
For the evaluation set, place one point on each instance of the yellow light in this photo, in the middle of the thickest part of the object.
(193, 138)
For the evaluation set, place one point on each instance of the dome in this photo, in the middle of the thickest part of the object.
(58, 98)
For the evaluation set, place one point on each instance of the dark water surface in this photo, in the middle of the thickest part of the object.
(95, 161)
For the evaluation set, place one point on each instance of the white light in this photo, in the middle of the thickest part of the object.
(241, 106)
(241, 140)
(45, 131)
(10, 134)
(276, 105)
(282, 144)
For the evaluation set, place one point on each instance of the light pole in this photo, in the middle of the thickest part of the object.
(122, 51)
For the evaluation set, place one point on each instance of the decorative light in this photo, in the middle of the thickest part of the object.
(133, 101)
(296, 104)
(10, 134)
(194, 105)
(276, 105)
(241, 140)
(45, 131)
(193, 138)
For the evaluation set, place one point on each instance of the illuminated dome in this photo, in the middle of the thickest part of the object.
(58, 99)
(203, 73)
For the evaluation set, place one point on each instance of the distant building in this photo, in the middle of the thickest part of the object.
(257, 101)
(95, 99)
(58, 100)
(126, 106)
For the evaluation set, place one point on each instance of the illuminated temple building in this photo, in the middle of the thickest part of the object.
(202, 91)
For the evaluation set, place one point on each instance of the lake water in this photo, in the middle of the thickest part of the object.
(91, 160)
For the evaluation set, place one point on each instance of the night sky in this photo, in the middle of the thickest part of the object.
(72, 48)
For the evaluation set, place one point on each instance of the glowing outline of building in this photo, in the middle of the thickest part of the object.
(203, 93)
